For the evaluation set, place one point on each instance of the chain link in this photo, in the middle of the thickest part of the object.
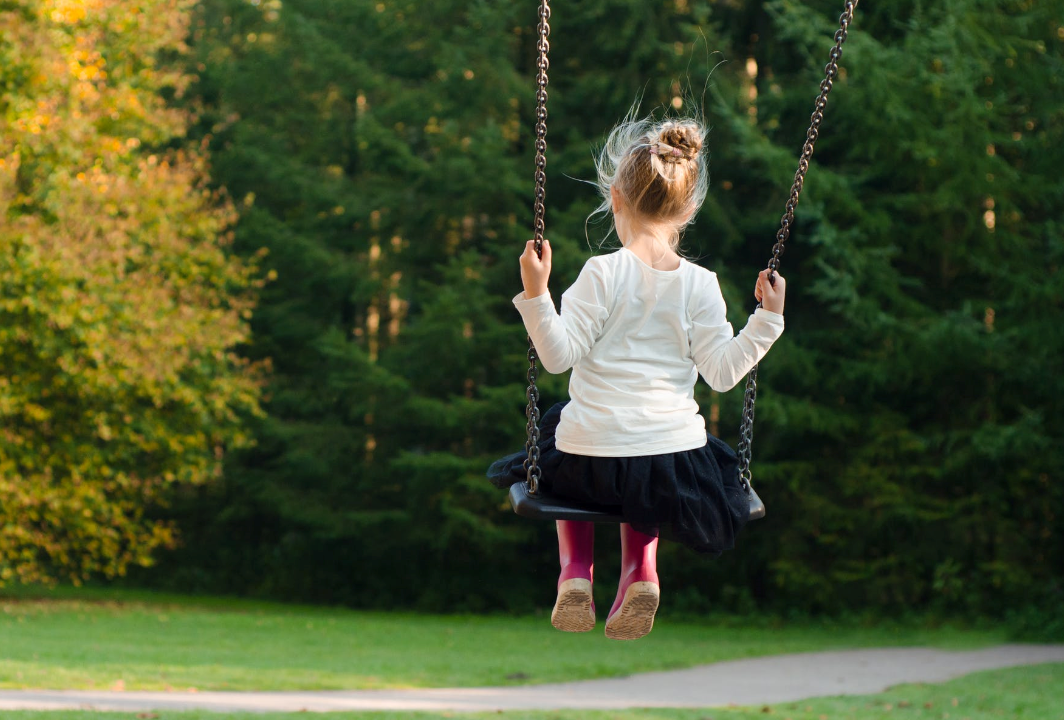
(533, 473)
(831, 70)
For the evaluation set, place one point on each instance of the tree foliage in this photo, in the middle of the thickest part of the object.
(119, 307)
(908, 421)
(910, 447)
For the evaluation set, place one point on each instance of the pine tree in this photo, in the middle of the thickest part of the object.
(381, 176)
(898, 440)
(902, 451)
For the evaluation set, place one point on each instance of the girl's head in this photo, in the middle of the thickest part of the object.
(653, 175)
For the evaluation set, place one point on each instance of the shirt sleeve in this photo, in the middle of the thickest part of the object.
(722, 357)
(561, 340)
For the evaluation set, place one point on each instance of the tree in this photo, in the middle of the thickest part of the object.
(910, 417)
(119, 306)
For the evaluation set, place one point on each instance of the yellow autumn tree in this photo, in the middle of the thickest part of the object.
(119, 306)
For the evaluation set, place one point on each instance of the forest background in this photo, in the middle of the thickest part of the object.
(255, 323)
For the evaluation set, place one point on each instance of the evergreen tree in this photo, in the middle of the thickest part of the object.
(899, 442)
(906, 438)
(382, 177)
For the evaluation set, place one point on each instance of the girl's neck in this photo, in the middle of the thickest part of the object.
(651, 247)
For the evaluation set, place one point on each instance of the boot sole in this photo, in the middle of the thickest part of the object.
(573, 612)
(635, 617)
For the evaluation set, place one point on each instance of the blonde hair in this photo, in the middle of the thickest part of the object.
(659, 169)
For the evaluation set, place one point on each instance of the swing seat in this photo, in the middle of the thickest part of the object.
(544, 507)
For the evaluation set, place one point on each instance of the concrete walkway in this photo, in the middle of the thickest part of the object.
(755, 681)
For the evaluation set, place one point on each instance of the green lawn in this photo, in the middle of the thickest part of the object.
(1032, 693)
(99, 639)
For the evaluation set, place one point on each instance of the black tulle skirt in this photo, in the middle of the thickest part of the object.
(692, 496)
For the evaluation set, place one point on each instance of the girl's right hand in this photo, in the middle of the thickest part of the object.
(535, 271)
(770, 296)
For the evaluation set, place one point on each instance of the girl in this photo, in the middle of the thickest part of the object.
(637, 327)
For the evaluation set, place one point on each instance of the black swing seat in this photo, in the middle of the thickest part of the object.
(545, 507)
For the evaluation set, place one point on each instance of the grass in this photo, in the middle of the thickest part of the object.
(1026, 693)
(85, 639)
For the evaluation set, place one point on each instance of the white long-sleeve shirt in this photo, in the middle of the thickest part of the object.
(637, 338)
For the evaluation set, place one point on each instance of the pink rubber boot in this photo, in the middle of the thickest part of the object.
(632, 615)
(574, 610)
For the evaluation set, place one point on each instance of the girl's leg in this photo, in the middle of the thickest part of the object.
(574, 610)
(632, 615)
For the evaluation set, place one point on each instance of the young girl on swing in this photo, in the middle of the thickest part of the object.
(637, 327)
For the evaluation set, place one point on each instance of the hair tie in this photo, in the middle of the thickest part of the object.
(668, 154)
(661, 149)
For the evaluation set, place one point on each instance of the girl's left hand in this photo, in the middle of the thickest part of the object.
(535, 270)
(771, 296)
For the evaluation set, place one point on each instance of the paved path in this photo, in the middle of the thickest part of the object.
(755, 681)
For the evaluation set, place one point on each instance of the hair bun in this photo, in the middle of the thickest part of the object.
(686, 137)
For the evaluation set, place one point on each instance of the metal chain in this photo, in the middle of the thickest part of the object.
(831, 70)
(532, 469)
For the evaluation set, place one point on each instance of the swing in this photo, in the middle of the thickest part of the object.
(526, 498)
